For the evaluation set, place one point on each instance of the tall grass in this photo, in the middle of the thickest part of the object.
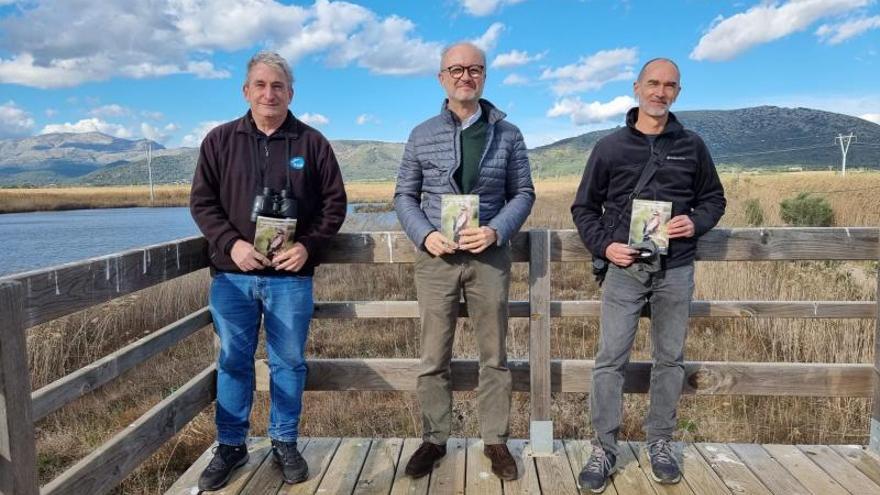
(64, 345)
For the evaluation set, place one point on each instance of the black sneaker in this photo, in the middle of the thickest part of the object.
(423, 459)
(294, 468)
(664, 468)
(598, 470)
(227, 458)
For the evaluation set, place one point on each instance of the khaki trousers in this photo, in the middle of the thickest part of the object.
(484, 280)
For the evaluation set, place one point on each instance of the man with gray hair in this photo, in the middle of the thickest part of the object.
(467, 155)
(653, 158)
(266, 164)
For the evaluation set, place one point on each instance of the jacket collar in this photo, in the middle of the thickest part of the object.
(673, 126)
(291, 128)
(493, 114)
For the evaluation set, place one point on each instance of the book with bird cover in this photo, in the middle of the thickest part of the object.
(274, 235)
(648, 223)
(458, 212)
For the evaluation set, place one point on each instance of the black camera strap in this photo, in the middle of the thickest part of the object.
(658, 154)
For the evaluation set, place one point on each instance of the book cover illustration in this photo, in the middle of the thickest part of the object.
(458, 212)
(274, 235)
(648, 223)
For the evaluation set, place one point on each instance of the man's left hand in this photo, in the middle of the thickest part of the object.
(293, 259)
(477, 239)
(680, 226)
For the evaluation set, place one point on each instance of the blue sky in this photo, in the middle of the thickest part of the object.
(171, 69)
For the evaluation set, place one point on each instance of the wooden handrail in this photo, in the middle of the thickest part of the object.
(35, 297)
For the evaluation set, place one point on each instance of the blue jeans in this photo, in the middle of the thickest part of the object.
(286, 304)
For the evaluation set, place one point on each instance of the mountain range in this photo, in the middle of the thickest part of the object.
(758, 137)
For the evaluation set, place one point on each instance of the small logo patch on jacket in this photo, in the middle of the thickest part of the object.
(297, 163)
(675, 157)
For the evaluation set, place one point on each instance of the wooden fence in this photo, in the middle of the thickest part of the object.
(35, 297)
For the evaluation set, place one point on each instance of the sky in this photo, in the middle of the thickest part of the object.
(170, 70)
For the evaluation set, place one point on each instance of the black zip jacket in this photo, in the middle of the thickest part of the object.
(686, 177)
(237, 160)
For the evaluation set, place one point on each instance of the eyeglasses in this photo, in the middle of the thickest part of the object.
(456, 71)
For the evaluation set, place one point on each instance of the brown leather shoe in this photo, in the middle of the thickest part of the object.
(423, 459)
(503, 464)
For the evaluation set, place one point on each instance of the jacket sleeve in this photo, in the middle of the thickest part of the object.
(204, 199)
(520, 192)
(332, 198)
(587, 209)
(408, 196)
(709, 202)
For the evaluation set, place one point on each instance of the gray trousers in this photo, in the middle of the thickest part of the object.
(484, 279)
(669, 293)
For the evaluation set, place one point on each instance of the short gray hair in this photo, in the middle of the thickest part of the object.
(273, 60)
(658, 59)
(461, 43)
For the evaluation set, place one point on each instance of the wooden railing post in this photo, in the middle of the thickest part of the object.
(541, 425)
(18, 457)
(874, 434)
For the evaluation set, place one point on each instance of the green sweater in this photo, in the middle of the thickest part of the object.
(473, 141)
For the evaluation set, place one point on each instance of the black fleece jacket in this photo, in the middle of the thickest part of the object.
(686, 177)
(237, 160)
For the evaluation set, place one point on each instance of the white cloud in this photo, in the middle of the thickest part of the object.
(514, 58)
(160, 135)
(195, 136)
(314, 119)
(765, 22)
(871, 117)
(515, 80)
(366, 118)
(157, 38)
(152, 115)
(15, 121)
(112, 110)
(838, 33)
(89, 125)
(50, 112)
(490, 38)
(593, 72)
(590, 113)
(485, 7)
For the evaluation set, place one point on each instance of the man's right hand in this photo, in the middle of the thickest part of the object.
(620, 254)
(438, 245)
(247, 258)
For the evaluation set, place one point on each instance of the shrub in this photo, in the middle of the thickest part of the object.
(805, 210)
(754, 213)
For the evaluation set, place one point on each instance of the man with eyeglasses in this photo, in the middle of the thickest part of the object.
(468, 149)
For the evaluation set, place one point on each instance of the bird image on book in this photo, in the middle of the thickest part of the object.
(275, 243)
(651, 226)
(461, 221)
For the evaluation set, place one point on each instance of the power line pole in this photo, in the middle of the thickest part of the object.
(843, 149)
(150, 169)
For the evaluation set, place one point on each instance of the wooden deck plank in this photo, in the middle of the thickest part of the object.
(806, 471)
(377, 476)
(527, 482)
(840, 469)
(641, 454)
(403, 484)
(479, 476)
(554, 472)
(859, 457)
(345, 468)
(449, 475)
(699, 475)
(578, 451)
(731, 469)
(629, 477)
(188, 482)
(318, 454)
(772, 474)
